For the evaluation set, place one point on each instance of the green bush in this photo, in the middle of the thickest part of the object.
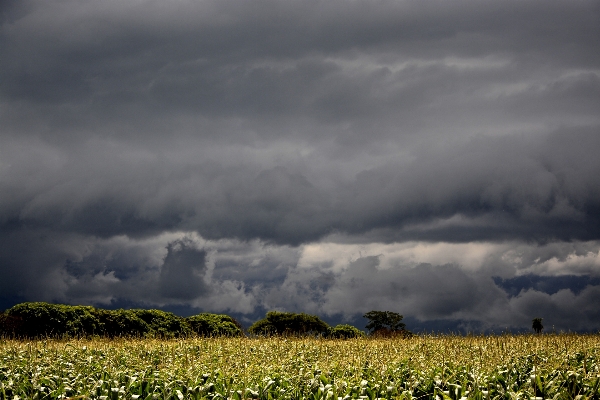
(344, 331)
(287, 323)
(122, 323)
(214, 325)
(54, 320)
(40, 320)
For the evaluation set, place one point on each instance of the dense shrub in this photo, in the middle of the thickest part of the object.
(162, 323)
(344, 331)
(214, 325)
(121, 322)
(39, 320)
(287, 323)
(44, 320)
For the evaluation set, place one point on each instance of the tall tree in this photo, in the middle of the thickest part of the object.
(537, 325)
(384, 320)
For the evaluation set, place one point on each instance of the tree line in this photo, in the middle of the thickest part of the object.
(45, 320)
(41, 320)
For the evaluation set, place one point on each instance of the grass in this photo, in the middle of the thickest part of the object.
(443, 367)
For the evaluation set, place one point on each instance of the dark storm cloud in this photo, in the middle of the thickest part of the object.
(170, 269)
(182, 273)
(273, 59)
(449, 296)
(541, 188)
(486, 286)
(183, 154)
(546, 284)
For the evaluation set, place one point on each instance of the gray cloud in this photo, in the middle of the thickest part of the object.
(469, 292)
(470, 286)
(543, 188)
(288, 124)
(182, 273)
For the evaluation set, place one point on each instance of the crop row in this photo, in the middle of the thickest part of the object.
(421, 367)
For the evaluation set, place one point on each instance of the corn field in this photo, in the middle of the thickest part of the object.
(422, 367)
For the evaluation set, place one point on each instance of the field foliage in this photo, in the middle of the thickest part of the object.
(420, 367)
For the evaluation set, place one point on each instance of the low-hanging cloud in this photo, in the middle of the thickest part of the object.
(483, 286)
(540, 189)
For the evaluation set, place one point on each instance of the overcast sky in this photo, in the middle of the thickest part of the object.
(439, 159)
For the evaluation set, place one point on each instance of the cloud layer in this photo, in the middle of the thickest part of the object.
(468, 286)
(198, 153)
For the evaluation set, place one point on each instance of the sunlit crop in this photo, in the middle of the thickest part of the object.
(423, 367)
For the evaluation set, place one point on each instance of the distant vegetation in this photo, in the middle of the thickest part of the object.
(44, 320)
(41, 320)
(300, 324)
(386, 324)
(287, 323)
(345, 332)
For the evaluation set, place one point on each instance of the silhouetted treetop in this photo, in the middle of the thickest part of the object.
(384, 320)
